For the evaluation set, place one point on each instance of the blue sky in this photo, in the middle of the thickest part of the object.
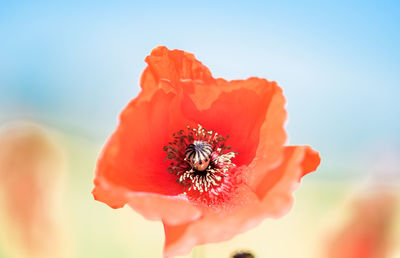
(76, 65)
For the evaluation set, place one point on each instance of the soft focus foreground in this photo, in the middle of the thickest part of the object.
(323, 211)
(32, 211)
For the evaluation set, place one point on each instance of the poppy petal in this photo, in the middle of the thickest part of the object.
(174, 66)
(280, 182)
(243, 109)
(276, 201)
(133, 158)
(213, 226)
(171, 209)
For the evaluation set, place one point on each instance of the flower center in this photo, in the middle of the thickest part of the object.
(202, 163)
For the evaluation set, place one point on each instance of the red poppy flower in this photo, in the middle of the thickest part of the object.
(368, 232)
(203, 155)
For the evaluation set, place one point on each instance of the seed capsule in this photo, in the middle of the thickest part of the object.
(198, 155)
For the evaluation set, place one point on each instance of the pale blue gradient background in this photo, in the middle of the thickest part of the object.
(74, 66)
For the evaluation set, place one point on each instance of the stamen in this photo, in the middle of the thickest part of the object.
(202, 164)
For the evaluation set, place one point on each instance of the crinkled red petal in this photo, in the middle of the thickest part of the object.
(133, 158)
(214, 227)
(241, 110)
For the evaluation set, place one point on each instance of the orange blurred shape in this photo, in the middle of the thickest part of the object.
(368, 232)
(30, 168)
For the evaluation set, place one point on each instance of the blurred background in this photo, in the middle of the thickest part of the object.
(68, 69)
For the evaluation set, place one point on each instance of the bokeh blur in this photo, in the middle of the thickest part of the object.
(68, 68)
